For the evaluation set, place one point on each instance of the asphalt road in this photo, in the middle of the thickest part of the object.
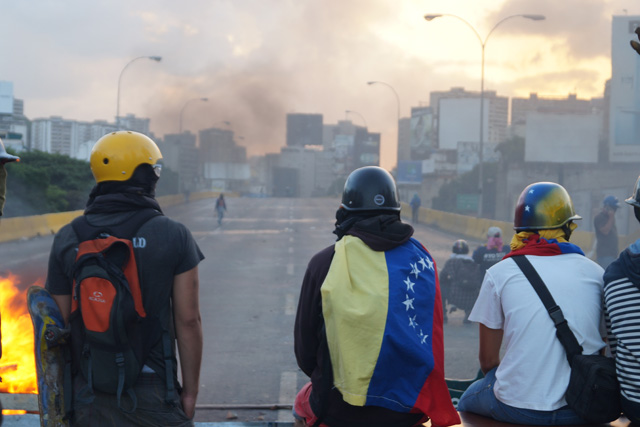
(249, 287)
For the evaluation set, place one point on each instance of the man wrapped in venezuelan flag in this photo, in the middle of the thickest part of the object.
(368, 329)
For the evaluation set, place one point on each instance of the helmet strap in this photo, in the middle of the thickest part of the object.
(566, 228)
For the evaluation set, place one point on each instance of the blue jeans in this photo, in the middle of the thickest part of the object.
(480, 399)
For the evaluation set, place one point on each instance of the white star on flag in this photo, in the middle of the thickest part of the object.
(423, 264)
(409, 284)
(526, 208)
(412, 321)
(531, 191)
(408, 303)
(414, 269)
(429, 263)
(424, 339)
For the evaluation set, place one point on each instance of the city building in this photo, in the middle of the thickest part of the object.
(304, 129)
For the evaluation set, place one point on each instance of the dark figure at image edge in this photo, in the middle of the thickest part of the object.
(542, 236)
(126, 167)
(622, 305)
(329, 339)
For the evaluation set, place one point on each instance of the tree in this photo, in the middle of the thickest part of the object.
(44, 183)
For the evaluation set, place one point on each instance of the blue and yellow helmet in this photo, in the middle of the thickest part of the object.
(543, 206)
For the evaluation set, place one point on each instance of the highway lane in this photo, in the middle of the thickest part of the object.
(250, 284)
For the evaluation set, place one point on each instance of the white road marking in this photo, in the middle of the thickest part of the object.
(288, 391)
(290, 305)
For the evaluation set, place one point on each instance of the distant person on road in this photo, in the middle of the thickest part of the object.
(622, 305)
(491, 252)
(460, 281)
(126, 166)
(220, 207)
(368, 330)
(606, 232)
(415, 208)
(528, 385)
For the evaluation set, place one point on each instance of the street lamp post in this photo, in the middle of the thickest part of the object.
(397, 104)
(185, 106)
(358, 114)
(483, 43)
(153, 58)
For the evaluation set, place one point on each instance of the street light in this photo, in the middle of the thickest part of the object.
(153, 58)
(398, 105)
(185, 106)
(483, 43)
(356, 113)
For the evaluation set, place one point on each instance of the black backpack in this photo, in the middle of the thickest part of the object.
(112, 334)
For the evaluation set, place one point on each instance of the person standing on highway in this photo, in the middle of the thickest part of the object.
(126, 166)
(622, 304)
(415, 208)
(528, 385)
(490, 253)
(606, 232)
(368, 329)
(221, 207)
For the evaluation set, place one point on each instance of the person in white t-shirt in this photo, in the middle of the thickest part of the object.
(528, 385)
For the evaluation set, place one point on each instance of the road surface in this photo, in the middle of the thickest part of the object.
(249, 287)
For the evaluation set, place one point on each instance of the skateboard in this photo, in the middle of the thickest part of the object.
(49, 344)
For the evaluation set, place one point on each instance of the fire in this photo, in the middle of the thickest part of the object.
(17, 365)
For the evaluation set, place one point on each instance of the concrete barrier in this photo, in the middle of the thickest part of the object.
(42, 225)
(465, 226)
(476, 228)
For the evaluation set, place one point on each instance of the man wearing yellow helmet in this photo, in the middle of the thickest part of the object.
(126, 166)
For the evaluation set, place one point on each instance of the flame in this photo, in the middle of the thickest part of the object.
(17, 366)
(13, 412)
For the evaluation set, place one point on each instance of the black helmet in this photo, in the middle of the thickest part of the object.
(370, 188)
(460, 247)
(634, 199)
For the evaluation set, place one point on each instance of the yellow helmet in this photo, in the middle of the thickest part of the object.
(116, 155)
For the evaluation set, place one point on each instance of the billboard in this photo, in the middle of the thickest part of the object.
(343, 154)
(366, 148)
(304, 129)
(409, 172)
(6, 97)
(421, 138)
(562, 138)
(459, 120)
(624, 113)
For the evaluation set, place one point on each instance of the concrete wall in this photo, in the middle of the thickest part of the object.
(476, 228)
(41, 225)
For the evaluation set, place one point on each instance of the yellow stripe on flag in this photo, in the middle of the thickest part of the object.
(355, 297)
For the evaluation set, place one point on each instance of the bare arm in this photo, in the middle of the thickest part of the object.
(64, 304)
(490, 342)
(186, 310)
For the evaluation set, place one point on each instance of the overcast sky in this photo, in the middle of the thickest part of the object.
(257, 60)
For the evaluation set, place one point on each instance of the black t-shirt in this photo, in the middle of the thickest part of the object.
(607, 244)
(165, 249)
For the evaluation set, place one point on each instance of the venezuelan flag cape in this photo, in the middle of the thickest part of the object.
(383, 319)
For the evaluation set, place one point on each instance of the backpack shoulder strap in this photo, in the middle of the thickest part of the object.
(564, 333)
(126, 229)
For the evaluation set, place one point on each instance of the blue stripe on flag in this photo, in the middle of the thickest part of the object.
(396, 382)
